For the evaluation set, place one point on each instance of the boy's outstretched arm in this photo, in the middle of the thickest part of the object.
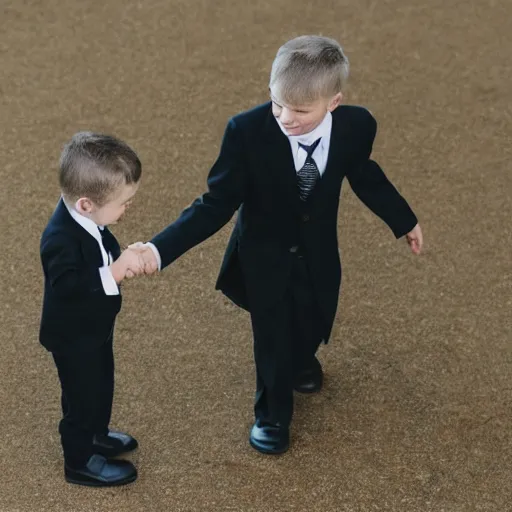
(211, 211)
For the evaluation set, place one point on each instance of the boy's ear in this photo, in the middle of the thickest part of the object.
(335, 101)
(84, 205)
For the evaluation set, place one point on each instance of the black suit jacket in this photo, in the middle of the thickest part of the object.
(77, 314)
(255, 174)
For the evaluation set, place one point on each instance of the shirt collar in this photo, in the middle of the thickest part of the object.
(89, 225)
(322, 130)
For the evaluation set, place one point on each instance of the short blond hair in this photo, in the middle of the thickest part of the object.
(95, 165)
(308, 68)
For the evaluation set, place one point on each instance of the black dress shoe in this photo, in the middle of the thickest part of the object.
(310, 380)
(101, 472)
(269, 438)
(114, 443)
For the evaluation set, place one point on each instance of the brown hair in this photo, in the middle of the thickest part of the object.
(95, 165)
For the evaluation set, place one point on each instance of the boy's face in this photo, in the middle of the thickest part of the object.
(302, 119)
(112, 210)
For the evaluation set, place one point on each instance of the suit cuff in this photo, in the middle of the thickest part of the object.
(405, 226)
(156, 253)
(109, 283)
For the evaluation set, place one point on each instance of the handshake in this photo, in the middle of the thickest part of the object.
(136, 260)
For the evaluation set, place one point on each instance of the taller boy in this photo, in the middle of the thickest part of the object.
(281, 165)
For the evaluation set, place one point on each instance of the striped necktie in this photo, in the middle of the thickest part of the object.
(309, 173)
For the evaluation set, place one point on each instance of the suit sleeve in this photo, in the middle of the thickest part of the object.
(68, 276)
(373, 188)
(210, 212)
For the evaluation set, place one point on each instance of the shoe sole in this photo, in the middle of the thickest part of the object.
(92, 483)
(309, 391)
(271, 451)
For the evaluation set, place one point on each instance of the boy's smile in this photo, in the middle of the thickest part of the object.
(302, 119)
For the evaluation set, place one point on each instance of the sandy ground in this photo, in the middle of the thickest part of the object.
(416, 410)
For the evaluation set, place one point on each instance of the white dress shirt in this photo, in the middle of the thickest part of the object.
(323, 131)
(321, 152)
(107, 279)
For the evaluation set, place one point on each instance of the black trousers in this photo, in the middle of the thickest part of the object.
(286, 338)
(87, 382)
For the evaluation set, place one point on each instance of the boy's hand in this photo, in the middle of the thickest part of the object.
(148, 259)
(415, 239)
(128, 264)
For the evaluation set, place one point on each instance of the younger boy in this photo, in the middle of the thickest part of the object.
(281, 166)
(83, 267)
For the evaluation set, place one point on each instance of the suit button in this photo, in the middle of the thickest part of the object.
(305, 218)
(294, 248)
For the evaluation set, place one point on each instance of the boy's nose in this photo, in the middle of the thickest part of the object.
(286, 116)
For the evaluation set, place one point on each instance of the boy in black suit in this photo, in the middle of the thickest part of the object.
(281, 166)
(83, 266)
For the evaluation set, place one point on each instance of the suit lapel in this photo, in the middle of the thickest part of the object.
(280, 160)
(339, 151)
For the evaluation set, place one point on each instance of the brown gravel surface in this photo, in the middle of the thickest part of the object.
(416, 410)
